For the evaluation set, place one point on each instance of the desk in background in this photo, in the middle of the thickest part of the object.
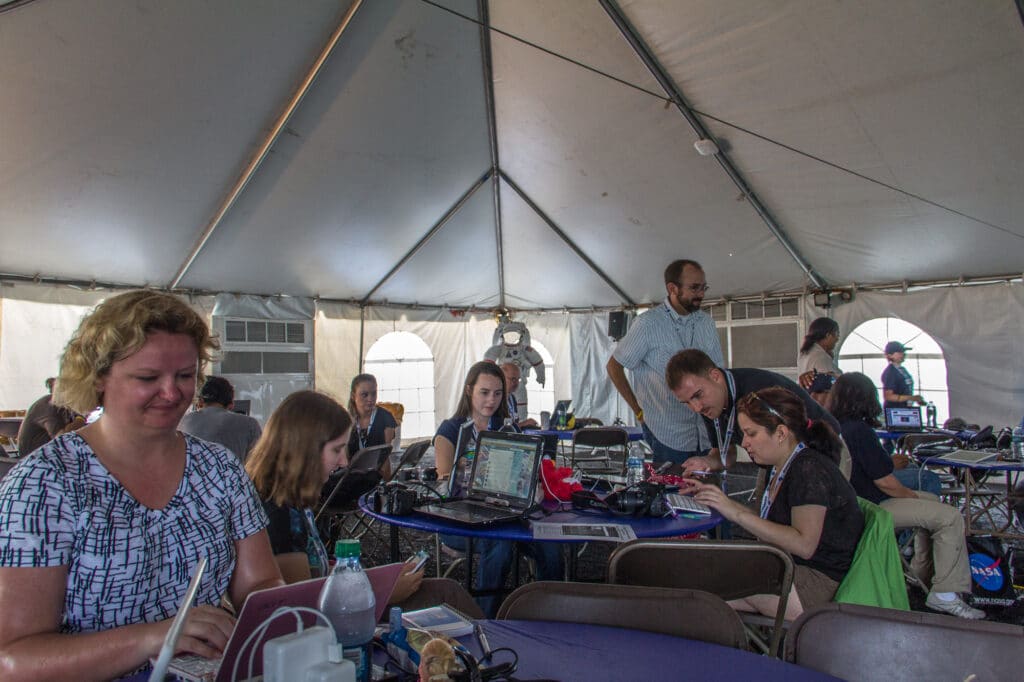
(634, 432)
(981, 506)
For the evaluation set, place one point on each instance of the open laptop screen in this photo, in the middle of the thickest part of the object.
(903, 418)
(506, 466)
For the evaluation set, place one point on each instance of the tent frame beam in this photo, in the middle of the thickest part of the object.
(268, 142)
(646, 56)
(426, 237)
(483, 8)
(572, 245)
(902, 286)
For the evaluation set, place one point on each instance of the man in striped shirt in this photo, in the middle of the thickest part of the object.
(673, 432)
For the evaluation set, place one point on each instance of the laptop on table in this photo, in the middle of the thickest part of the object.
(903, 420)
(258, 607)
(502, 483)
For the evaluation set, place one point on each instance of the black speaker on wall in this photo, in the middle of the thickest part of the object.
(618, 321)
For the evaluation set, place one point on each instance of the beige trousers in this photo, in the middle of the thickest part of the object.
(940, 550)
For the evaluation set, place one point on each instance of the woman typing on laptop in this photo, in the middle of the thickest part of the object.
(483, 407)
(100, 530)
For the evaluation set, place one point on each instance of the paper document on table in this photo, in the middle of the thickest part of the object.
(589, 532)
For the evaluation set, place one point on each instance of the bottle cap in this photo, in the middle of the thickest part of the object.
(344, 549)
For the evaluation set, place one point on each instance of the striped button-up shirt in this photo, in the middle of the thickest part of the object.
(654, 337)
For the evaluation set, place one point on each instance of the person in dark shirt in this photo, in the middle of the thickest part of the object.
(940, 553)
(371, 425)
(809, 509)
(897, 383)
(44, 421)
(713, 393)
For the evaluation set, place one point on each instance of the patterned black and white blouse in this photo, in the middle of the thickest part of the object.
(126, 563)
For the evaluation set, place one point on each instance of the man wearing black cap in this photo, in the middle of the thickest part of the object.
(214, 421)
(897, 384)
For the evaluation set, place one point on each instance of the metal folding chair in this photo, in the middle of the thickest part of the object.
(606, 447)
(729, 569)
(339, 514)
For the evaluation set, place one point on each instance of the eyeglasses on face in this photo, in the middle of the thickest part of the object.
(694, 288)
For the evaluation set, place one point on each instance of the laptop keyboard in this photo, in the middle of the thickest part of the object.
(686, 504)
(191, 666)
(481, 510)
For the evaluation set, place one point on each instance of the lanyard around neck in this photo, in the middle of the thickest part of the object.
(674, 317)
(775, 482)
(364, 435)
(723, 443)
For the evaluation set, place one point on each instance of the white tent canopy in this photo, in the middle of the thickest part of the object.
(544, 161)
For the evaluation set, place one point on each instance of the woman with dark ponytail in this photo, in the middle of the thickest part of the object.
(817, 354)
(808, 508)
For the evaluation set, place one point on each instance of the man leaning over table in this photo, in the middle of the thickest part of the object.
(678, 323)
(712, 392)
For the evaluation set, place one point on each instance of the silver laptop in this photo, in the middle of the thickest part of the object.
(970, 456)
(502, 484)
(903, 419)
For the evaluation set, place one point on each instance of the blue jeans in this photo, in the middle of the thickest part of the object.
(494, 563)
(663, 453)
(916, 478)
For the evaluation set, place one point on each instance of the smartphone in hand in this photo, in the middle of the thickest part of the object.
(421, 558)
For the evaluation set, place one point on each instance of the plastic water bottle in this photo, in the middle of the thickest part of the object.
(635, 465)
(1017, 443)
(932, 415)
(347, 601)
(507, 427)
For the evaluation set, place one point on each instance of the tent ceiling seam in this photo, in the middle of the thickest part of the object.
(858, 175)
(487, 66)
(764, 138)
(572, 245)
(672, 89)
(459, 203)
(257, 159)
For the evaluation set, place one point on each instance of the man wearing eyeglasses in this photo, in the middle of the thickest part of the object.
(673, 432)
(712, 392)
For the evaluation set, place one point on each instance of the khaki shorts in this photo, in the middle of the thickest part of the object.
(813, 587)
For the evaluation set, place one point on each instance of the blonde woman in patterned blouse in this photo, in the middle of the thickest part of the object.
(100, 530)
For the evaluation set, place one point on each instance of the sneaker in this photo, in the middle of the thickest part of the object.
(958, 607)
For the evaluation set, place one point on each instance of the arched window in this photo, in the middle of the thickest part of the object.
(540, 398)
(862, 350)
(404, 367)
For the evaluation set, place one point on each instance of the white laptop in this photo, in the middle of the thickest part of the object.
(970, 456)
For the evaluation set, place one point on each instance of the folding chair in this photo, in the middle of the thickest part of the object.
(606, 447)
(339, 512)
(866, 643)
(728, 569)
(692, 614)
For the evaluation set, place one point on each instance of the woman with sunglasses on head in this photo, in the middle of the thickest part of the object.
(808, 508)
(482, 407)
(101, 529)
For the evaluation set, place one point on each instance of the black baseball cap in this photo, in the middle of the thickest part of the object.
(896, 347)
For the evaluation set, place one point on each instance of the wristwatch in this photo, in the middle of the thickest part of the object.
(639, 415)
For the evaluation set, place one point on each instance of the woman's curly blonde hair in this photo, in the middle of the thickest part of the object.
(118, 328)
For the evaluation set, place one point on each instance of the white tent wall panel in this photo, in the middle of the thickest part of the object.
(36, 323)
(979, 329)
